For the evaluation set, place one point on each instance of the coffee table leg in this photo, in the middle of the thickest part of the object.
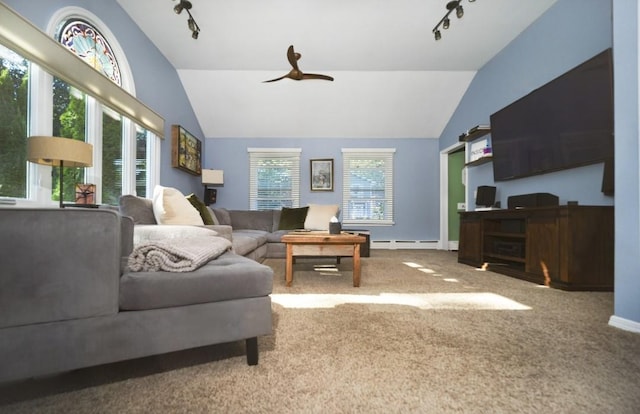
(356, 265)
(289, 266)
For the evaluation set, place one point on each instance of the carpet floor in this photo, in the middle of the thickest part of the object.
(423, 334)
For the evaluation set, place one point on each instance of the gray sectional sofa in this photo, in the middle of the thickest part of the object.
(254, 234)
(68, 300)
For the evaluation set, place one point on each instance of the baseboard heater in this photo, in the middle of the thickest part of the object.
(404, 244)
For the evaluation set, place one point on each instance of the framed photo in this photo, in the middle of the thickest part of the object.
(186, 151)
(322, 175)
(85, 193)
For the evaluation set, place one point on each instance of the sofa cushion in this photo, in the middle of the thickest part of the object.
(215, 220)
(252, 219)
(138, 208)
(222, 215)
(276, 236)
(228, 277)
(319, 215)
(201, 207)
(292, 218)
(171, 207)
(245, 240)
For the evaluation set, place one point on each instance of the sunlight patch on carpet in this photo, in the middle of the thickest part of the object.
(470, 301)
(419, 267)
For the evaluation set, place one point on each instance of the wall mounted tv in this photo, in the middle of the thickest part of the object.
(564, 124)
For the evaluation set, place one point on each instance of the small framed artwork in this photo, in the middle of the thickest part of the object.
(85, 193)
(186, 151)
(322, 175)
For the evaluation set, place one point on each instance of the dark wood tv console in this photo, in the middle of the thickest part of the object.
(566, 247)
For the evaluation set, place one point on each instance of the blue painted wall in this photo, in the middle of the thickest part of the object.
(156, 80)
(571, 32)
(416, 178)
(627, 152)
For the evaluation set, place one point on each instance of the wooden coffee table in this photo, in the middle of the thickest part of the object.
(321, 243)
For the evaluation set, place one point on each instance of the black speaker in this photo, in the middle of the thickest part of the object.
(533, 200)
(485, 196)
(210, 195)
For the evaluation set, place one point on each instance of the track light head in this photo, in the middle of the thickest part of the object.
(182, 5)
(191, 23)
(445, 22)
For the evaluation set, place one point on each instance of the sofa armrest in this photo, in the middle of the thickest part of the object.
(58, 264)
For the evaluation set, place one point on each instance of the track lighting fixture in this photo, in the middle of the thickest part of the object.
(445, 22)
(191, 23)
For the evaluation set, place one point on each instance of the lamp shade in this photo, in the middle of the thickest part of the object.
(56, 151)
(212, 177)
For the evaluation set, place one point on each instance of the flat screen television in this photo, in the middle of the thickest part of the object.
(564, 124)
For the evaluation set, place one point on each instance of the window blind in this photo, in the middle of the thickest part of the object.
(274, 178)
(367, 184)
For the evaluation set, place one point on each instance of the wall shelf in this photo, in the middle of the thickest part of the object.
(480, 161)
(475, 133)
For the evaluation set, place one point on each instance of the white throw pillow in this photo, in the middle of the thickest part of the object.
(319, 215)
(171, 207)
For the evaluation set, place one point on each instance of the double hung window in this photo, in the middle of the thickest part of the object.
(367, 185)
(274, 178)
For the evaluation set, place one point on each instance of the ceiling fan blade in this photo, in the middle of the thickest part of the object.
(316, 76)
(293, 57)
(276, 79)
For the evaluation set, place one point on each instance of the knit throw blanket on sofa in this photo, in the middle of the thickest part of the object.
(177, 254)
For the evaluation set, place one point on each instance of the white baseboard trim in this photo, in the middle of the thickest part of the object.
(403, 244)
(625, 324)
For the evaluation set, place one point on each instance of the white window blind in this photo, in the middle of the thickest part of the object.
(367, 183)
(274, 178)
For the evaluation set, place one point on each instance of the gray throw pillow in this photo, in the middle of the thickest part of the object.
(223, 216)
(138, 208)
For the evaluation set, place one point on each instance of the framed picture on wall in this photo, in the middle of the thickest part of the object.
(322, 174)
(186, 151)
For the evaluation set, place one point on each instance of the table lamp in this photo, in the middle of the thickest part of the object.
(59, 152)
(211, 177)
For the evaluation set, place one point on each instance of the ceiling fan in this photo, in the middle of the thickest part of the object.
(296, 73)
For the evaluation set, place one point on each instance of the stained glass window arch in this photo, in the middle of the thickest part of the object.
(88, 43)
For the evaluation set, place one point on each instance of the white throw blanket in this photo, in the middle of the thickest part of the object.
(176, 254)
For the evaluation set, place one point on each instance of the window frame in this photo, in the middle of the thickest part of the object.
(387, 154)
(255, 154)
(39, 180)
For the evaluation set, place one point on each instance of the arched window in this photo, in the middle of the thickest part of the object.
(86, 42)
(122, 150)
(33, 102)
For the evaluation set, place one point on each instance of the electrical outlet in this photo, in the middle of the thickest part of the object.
(462, 206)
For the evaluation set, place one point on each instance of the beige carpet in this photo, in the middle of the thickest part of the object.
(422, 334)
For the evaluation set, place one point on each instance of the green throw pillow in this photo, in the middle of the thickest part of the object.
(292, 218)
(201, 207)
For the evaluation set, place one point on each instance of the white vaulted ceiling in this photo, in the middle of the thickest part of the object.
(392, 79)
